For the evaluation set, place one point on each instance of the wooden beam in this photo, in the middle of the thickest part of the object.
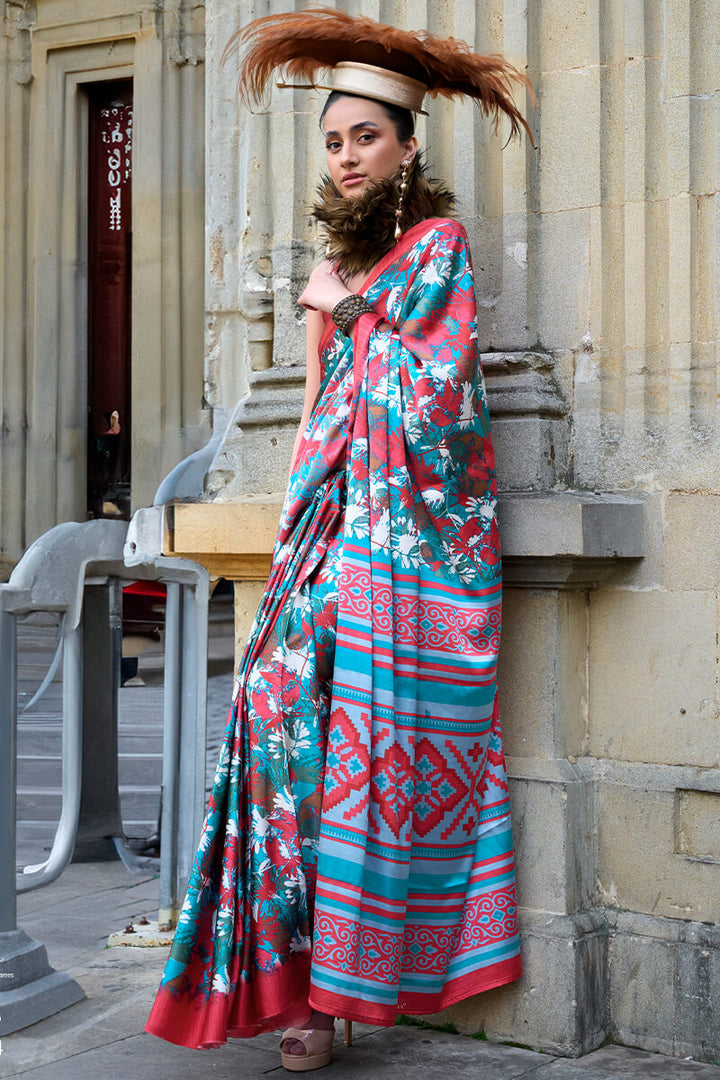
(233, 540)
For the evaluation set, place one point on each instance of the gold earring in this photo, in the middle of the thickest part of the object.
(404, 170)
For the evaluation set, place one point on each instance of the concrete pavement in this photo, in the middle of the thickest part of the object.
(102, 1036)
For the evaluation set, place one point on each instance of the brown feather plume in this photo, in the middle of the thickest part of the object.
(301, 43)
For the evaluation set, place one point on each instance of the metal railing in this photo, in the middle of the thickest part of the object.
(61, 572)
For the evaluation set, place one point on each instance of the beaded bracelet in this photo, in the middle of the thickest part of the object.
(347, 310)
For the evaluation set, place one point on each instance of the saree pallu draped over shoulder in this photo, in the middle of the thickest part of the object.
(357, 843)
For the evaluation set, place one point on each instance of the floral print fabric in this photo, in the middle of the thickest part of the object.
(357, 842)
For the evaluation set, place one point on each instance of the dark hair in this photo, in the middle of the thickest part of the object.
(401, 118)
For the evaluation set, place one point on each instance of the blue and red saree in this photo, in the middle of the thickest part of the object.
(357, 844)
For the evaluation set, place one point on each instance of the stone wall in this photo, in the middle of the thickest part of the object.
(599, 293)
(49, 50)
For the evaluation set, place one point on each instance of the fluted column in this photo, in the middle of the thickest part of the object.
(15, 79)
(646, 388)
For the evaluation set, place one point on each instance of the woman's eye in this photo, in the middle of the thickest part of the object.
(367, 136)
(332, 145)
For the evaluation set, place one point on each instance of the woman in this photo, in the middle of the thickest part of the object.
(356, 858)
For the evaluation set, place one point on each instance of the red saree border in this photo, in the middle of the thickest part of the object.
(466, 986)
(209, 1023)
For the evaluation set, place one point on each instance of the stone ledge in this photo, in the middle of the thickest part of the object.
(646, 776)
(546, 770)
(673, 931)
(642, 775)
(568, 539)
(566, 927)
(522, 384)
(517, 383)
(276, 396)
(557, 539)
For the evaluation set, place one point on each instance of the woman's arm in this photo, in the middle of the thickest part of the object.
(313, 332)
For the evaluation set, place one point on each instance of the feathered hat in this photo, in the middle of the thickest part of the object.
(374, 60)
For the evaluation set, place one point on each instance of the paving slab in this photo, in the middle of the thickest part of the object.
(431, 1055)
(627, 1063)
(380, 1056)
(143, 1056)
(103, 1037)
(119, 992)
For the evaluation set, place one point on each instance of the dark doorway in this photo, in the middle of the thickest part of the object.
(109, 295)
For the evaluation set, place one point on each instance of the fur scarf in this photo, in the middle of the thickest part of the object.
(360, 231)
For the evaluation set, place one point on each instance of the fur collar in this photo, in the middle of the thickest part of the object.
(360, 231)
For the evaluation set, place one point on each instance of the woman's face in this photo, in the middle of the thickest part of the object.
(362, 144)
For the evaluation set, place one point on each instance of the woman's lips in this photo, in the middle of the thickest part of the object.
(352, 178)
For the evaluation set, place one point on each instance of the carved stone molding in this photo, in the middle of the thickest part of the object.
(522, 384)
(19, 18)
(531, 430)
(276, 396)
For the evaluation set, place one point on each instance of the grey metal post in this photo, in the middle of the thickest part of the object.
(30, 990)
(169, 900)
(33, 877)
(186, 634)
(193, 730)
(8, 768)
(100, 819)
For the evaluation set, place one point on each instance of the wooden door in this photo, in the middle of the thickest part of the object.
(109, 465)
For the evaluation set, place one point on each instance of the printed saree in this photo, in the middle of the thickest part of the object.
(357, 842)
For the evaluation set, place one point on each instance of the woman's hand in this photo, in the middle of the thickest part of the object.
(325, 288)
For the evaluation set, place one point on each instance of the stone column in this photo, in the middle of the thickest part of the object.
(15, 83)
(48, 52)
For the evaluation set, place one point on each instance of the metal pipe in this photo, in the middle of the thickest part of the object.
(33, 877)
(8, 767)
(100, 817)
(197, 717)
(188, 758)
(188, 642)
(168, 901)
(193, 728)
(51, 672)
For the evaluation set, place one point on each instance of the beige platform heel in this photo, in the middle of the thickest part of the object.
(318, 1047)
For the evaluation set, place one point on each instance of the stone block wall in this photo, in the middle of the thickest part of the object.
(599, 299)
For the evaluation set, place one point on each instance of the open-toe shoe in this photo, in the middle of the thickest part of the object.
(318, 1049)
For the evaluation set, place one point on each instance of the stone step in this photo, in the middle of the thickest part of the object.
(43, 741)
(45, 771)
(34, 841)
(39, 740)
(35, 838)
(138, 802)
(142, 769)
(38, 771)
(149, 744)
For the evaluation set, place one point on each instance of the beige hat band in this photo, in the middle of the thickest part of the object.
(379, 84)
